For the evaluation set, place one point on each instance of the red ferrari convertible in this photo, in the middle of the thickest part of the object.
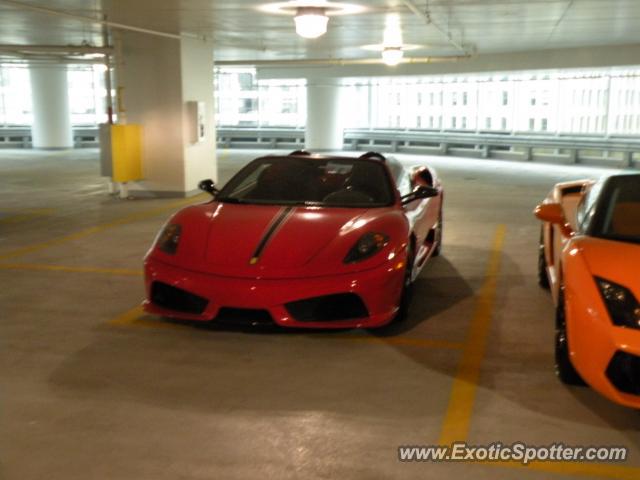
(300, 240)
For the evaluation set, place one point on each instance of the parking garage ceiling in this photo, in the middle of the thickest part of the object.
(241, 32)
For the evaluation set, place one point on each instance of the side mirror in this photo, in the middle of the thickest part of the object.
(422, 176)
(553, 213)
(420, 192)
(550, 212)
(208, 186)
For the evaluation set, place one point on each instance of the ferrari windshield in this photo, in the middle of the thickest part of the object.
(337, 182)
(619, 214)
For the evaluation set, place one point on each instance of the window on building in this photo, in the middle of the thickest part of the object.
(532, 124)
(247, 105)
(454, 99)
(454, 122)
(465, 98)
(245, 80)
(464, 122)
(488, 123)
(503, 123)
(505, 98)
(544, 124)
(545, 97)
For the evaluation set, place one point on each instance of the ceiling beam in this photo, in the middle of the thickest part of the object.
(95, 21)
(543, 60)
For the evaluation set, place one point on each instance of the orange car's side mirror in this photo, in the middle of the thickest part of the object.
(550, 212)
(554, 214)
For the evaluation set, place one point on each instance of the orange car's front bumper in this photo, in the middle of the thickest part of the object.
(606, 356)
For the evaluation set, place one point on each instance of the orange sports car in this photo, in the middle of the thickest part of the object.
(590, 259)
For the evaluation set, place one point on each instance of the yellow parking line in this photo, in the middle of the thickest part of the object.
(402, 341)
(463, 392)
(136, 318)
(70, 269)
(134, 217)
(128, 317)
(24, 216)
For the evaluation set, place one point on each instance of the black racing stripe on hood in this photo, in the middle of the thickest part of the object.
(276, 223)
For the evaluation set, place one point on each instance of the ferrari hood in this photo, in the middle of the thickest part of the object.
(265, 237)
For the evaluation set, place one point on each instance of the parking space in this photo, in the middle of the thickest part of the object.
(101, 390)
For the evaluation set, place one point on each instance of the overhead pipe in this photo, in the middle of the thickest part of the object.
(426, 17)
(55, 49)
(107, 75)
(332, 62)
(44, 60)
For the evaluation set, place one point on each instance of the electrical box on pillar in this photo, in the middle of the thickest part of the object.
(196, 121)
(121, 154)
(126, 148)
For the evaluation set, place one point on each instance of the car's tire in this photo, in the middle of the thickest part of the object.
(407, 288)
(543, 279)
(438, 236)
(565, 370)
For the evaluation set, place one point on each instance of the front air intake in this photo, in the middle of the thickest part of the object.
(624, 372)
(329, 308)
(173, 298)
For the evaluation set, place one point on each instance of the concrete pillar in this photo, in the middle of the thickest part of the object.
(162, 81)
(324, 120)
(51, 115)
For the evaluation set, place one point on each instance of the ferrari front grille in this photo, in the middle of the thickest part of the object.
(341, 306)
(624, 372)
(173, 298)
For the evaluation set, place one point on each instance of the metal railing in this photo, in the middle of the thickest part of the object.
(596, 150)
(20, 137)
(612, 151)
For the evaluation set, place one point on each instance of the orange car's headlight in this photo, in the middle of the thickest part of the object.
(621, 304)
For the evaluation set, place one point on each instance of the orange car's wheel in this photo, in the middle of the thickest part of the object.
(543, 280)
(564, 368)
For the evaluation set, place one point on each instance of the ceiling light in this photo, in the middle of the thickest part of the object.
(311, 16)
(392, 56)
(311, 22)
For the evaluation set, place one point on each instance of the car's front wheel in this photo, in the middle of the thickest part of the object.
(407, 287)
(438, 236)
(564, 368)
(543, 280)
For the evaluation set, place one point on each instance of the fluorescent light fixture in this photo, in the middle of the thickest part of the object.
(311, 22)
(392, 56)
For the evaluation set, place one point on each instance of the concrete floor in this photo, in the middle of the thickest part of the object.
(91, 388)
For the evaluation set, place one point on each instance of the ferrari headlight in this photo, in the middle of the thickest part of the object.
(621, 304)
(169, 238)
(368, 245)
